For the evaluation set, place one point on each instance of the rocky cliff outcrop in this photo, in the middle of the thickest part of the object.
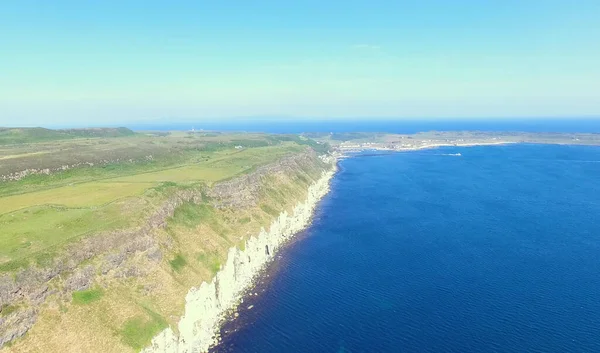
(244, 191)
(28, 288)
(108, 254)
(207, 304)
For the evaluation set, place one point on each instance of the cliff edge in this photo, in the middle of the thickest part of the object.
(164, 284)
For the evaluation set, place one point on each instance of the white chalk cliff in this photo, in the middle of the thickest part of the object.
(206, 305)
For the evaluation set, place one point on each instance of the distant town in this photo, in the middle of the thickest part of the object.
(345, 143)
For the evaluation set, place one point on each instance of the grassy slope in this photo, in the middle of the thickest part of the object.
(124, 315)
(88, 200)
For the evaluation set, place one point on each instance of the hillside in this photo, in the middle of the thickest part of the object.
(100, 252)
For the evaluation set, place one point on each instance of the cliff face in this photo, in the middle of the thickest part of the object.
(140, 262)
(28, 289)
(207, 304)
(244, 191)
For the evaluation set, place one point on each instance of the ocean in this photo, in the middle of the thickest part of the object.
(399, 126)
(496, 250)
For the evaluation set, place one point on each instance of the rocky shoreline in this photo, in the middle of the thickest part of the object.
(207, 305)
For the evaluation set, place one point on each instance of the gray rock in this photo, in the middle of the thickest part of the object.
(155, 255)
(80, 280)
(130, 271)
(244, 191)
(7, 288)
(16, 325)
(112, 261)
(39, 295)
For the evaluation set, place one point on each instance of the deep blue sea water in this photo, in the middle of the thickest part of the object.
(400, 126)
(497, 250)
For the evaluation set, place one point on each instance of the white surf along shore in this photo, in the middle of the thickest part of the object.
(207, 305)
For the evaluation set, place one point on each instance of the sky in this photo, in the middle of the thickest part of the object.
(111, 62)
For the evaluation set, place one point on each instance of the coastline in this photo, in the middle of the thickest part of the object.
(349, 152)
(314, 298)
(466, 144)
(207, 306)
(426, 147)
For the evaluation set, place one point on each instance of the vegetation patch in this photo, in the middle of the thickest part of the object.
(270, 210)
(13, 265)
(178, 263)
(7, 309)
(275, 195)
(165, 186)
(44, 259)
(87, 296)
(211, 261)
(245, 220)
(303, 179)
(190, 215)
(138, 332)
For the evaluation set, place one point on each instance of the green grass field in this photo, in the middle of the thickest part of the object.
(39, 230)
(86, 195)
(40, 213)
(138, 331)
(87, 296)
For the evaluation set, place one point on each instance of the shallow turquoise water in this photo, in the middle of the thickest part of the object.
(497, 250)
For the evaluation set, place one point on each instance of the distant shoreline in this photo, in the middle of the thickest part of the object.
(357, 142)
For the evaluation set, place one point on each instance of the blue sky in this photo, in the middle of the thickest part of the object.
(79, 61)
